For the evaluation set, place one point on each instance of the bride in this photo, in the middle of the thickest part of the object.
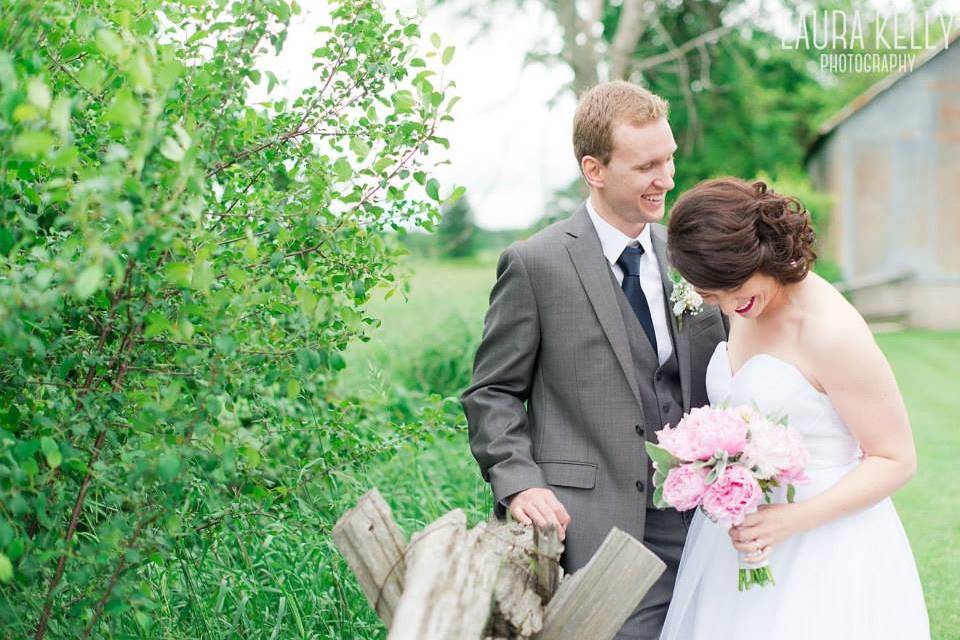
(839, 555)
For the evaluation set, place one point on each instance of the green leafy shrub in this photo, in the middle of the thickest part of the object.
(180, 271)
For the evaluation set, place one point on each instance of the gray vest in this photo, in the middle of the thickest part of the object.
(659, 384)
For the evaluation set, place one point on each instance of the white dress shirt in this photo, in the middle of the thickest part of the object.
(613, 241)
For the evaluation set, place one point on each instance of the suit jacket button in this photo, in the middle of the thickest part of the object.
(639, 429)
(640, 486)
(666, 407)
(658, 377)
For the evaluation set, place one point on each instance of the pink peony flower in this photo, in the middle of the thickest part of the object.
(684, 487)
(703, 432)
(731, 497)
(775, 451)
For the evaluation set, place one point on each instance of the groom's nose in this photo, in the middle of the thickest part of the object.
(664, 181)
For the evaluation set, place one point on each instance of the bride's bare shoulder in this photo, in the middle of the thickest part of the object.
(833, 326)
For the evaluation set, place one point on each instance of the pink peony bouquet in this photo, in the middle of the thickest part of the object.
(727, 461)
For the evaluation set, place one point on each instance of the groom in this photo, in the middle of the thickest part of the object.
(582, 359)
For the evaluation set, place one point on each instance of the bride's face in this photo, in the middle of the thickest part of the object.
(748, 300)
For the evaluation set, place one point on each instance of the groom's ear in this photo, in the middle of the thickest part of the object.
(592, 170)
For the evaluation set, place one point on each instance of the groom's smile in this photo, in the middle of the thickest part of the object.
(655, 203)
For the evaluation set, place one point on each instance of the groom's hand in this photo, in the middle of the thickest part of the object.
(540, 507)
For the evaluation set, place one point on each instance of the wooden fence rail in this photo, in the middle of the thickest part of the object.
(496, 581)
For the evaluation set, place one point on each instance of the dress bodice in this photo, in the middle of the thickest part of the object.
(778, 387)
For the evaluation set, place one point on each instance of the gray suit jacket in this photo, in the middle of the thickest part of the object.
(555, 400)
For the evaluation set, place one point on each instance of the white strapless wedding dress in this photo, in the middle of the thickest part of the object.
(852, 579)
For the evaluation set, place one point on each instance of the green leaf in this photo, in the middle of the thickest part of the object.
(32, 143)
(182, 136)
(6, 568)
(358, 289)
(88, 281)
(124, 110)
(435, 40)
(791, 493)
(171, 150)
(659, 477)
(382, 164)
(92, 76)
(712, 476)
(8, 77)
(225, 344)
(342, 169)
(359, 147)
(403, 101)
(293, 389)
(60, 115)
(168, 466)
(15, 549)
(109, 43)
(433, 189)
(454, 100)
(203, 276)
(179, 273)
(447, 55)
(51, 452)
(157, 324)
(658, 500)
(236, 274)
(661, 457)
(38, 94)
(140, 73)
(251, 456)
(456, 195)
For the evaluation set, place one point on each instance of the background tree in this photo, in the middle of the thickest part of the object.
(180, 271)
(456, 237)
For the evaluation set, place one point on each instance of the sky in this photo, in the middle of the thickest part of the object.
(510, 141)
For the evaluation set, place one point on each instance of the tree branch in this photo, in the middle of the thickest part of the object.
(115, 577)
(81, 497)
(582, 58)
(633, 22)
(709, 37)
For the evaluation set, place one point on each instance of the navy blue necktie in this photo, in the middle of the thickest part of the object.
(629, 262)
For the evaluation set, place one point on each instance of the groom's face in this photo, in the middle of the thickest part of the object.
(640, 172)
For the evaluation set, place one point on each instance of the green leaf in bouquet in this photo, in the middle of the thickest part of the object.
(712, 476)
(791, 493)
(661, 457)
(659, 477)
(721, 466)
(658, 500)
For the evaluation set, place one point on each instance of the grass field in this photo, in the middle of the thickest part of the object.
(447, 302)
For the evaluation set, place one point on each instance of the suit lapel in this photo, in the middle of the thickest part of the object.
(681, 340)
(585, 251)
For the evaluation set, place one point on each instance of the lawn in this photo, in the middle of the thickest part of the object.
(447, 301)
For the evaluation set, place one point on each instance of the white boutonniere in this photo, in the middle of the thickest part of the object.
(684, 300)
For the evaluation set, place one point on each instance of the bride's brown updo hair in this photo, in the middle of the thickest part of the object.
(723, 231)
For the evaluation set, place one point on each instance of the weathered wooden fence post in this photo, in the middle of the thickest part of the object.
(498, 580)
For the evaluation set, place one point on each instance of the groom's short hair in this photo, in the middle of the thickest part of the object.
(606, 104)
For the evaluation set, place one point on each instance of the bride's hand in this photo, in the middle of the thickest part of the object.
(761, 531)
